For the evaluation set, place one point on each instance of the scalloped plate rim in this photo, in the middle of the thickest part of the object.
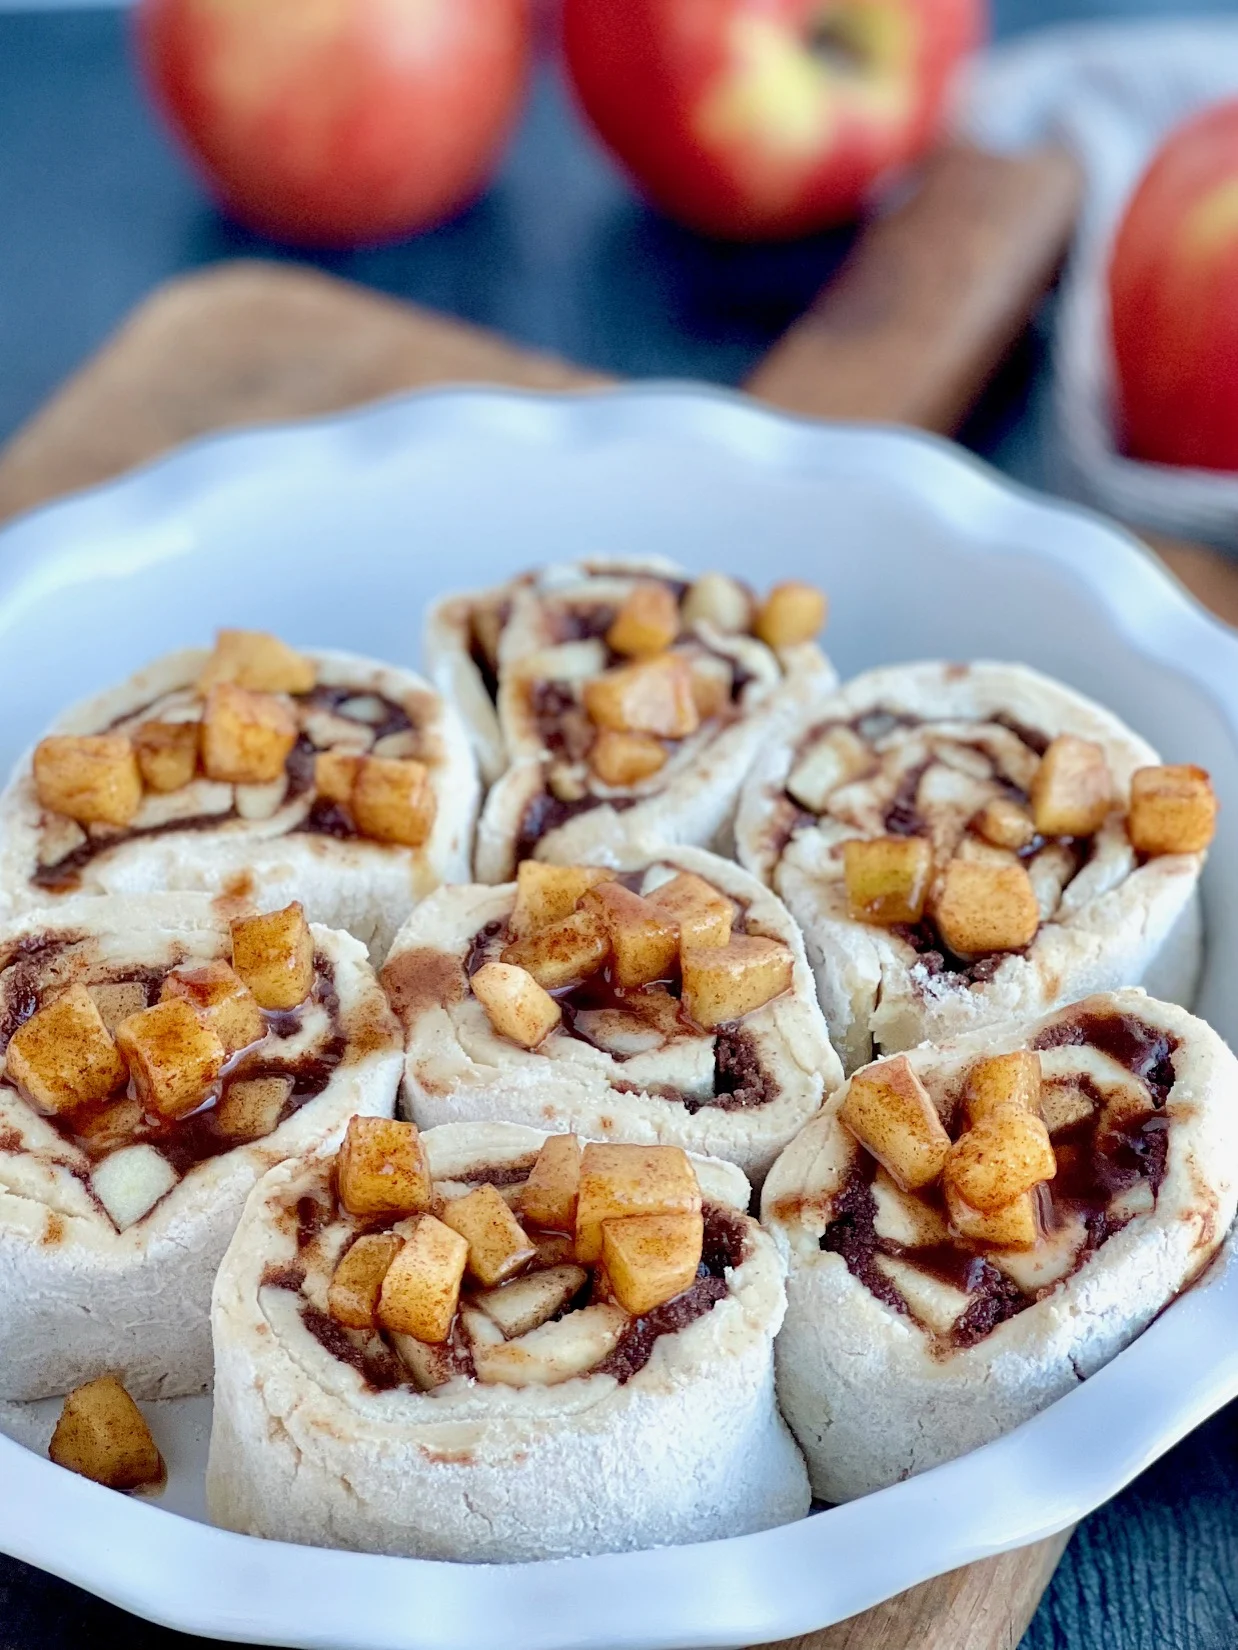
(750, 1589)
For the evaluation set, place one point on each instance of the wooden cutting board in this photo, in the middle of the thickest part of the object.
(909, 333)
(250, 342)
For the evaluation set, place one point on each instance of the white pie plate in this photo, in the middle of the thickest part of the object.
(338, 532)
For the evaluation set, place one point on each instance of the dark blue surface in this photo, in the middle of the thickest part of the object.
(95, 209)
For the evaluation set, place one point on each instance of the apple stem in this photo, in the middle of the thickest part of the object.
(838, 42)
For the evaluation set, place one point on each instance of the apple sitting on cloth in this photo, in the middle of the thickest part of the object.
(1173, 293)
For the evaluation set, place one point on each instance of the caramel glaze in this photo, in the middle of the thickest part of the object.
(1097, 1160)
(187, 1141)
(903, 818)
(740, 1080)
(375, 1360)
(324, 818)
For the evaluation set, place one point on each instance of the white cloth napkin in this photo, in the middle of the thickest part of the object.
(1111, 94)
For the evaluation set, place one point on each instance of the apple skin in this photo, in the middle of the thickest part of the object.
(1173, 298)
(733, 125)
(338, 122)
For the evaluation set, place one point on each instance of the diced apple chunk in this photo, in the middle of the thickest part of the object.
(792, 613)
(647, 623)
(335, 774)
(480, 1329)
(421, 1289)
(246, 737)
(167, 753)
(117, 1000)
(253, 659)
(1053, 1256)
(548, 1196)
(527, 1303)
(1063, 1104)
(567, 662)
(553, 1248)
(1014, 1227)
(1137, 1199)
(103, 1435)
(888, 1110)
(1173, 810)
(558, 1351)
(933, 1302)
(568, 781)
(644, 942)
(1004, 1080)
(64, 1056)
(382, 1170)
(887, 878)
(562, 953)
(217, 993)
(617, 1181)
(982, 908)
(1123, 1110)
(93, 778)
(649, 1259)
(654, 696)
(498, 1246)
(713, 681)
(517, 1007)
(274, 956)
(626, 758)
(404, 745)
(430, 1366)
(999, 1158)
(172, 1055)
(720, 601)
(108, 1128)
(58, 837)
(1005, 823)
(1072, 790)
(724, 982)
(393, 801)
(548, 893)
(130, 1182)
(357, 1282)
(904, 1218)
(256, 802)
(835, 758)
(702, 915)
(251, 1108)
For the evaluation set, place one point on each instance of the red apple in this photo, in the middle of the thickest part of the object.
(1173, 294)
(755, 119)
(338, 122)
